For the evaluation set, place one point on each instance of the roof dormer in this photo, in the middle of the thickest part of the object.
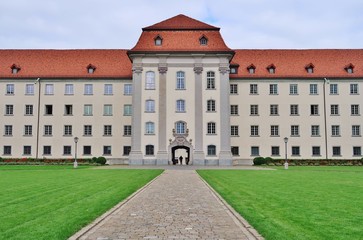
(91, 68)
(251, 69)
(15, 68)
(271, 68)
(203, 40)
(158, 40)
(349, 68)
(309, 68)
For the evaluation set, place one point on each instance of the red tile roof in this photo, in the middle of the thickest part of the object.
(292, 63)
(65, 63)
(180, 22)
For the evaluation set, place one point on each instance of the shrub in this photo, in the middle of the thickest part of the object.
(259, 161)
(94, 160)
(101, 160)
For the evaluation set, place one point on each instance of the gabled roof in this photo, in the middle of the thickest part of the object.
(180, 22)
(292, 63)
(65, 63)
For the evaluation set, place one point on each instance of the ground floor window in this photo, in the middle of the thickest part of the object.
(235, 151)
(336, 151)
(295, 151)
(47, 150)
(275, 151)
(87, 150)
(255, 151)
(27, 150)
(106, 150)
(149, 150)
(357, 151)
(67, 150)
(127, 150)
(7, 150)
(211, 150)
(316, 151)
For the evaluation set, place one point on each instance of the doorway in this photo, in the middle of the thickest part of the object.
(180, 155)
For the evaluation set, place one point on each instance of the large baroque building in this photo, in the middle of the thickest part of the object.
(181, 92)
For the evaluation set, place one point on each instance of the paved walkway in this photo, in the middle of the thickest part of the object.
(176, 205)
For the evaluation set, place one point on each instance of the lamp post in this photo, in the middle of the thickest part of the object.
(286, 165)
(75, 164)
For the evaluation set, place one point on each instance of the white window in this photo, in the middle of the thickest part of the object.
(67, 130)
(28, 109)
(150, 106)
(49, 89)
(274, 109)
(293, 89)
(234, 109)
(107, 130)
(9, 109)
(233, 89)
(313, 89)
(334, 109)
(234, 130)
(180, 127)
(8, 130)
(203, 41)
(295, 131)
(149, 128)
(28, 130)
(253, 89)
(294, 109)
(354, 109)
(10, 89)
(254, 130)
(127, 110)
(314, 109)
(315, 130)
(48, 130)
(274, 130)
(108, 89)
(88, 110)
(211, 128)
(88, 89)
(333, 88)
(354, 88)
(69, 89)
(255, 151)
(253, 110)
(128, 89)
(180, 105)
(150, 80)
(356, 130)
(127, 130)
(211, 84)
(87, 130)
(211, 106)
(29, 89)
(180, 80)
(107, 110)
(335, 130)
(158, 41)
(273, 89)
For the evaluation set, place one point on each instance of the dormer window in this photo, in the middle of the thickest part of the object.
(349, 68)
(15, 69)
(233, 70)
(91, 69)
(309, 68)
(251, 69)
(203, 41)
(158, 41)
(271, 69)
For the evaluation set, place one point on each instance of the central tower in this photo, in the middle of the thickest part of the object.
(180, 94)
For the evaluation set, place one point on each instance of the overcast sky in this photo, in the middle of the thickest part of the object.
(245, 24)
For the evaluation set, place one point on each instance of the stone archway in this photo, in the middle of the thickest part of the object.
(180, 142)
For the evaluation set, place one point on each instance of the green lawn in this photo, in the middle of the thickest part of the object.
(54, 202)
(299, 203)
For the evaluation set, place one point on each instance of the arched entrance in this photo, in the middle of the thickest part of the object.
(180, 155)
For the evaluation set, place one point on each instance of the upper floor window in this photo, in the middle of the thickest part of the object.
(234, 109)
(314, 109)
(315, 130)
(271, 69)
(233, 70)
(314, 89)
(28, 109)
(203, 41)
(68, 109)
(254, 110)
(127, 130)
(335, 130)
(127, 110)
(88, 110)
(29, 89)
(295, 130)
(180, 127)
(274, 130)
(211, 84)
(180, 80)
(8, 131)
(274, 109)
(150, 106)
(294, 109)
(211, 106)
(211, 128)
(127, 89)
(356, 130)
(10, 89)
(253, 89)
(149, 128)
(88, 89)
(309, 68)
(234, 130)
(334, 109)
(354, 109)
(150, 80)
(91, 69)
(233, 89)
(158, 40)
(108, 89)
(15, 69)
(251, 69)
(180, 105)
(273, 89)
(293, 89)
(349, 68)
(354, 88)
(333, 88)
(254, 130)
(49, 89)
(107, 110)
(69, 89)
(9, 109)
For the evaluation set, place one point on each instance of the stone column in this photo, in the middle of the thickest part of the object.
(162, 154)
(225, 156)
(198, 155)
(136, 156)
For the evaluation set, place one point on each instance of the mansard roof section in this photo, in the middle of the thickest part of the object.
(292, 63)
(66, 63)
(180, 23)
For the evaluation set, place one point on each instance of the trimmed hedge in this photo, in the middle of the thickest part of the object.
(307, 162)
(62, 161)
